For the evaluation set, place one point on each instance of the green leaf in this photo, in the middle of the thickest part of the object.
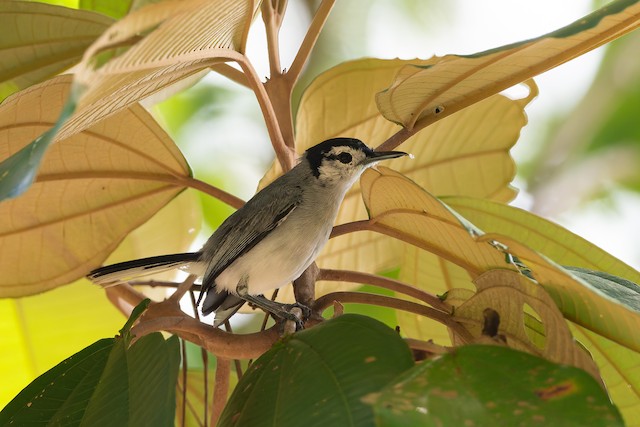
(62, 393)
(19, 170)
(38, 41)
(114, 9)
(491, 385)
(106, 384)
(622, 290)
(317, 377)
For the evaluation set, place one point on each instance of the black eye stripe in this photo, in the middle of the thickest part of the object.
(342, 157)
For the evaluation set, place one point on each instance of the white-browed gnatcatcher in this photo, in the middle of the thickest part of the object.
(272, 239)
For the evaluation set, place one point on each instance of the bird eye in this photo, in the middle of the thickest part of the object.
(344, 157)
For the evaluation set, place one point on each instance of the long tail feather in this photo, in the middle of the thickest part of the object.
(127, 270)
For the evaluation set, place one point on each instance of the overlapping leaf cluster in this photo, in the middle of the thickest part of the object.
(107, 167)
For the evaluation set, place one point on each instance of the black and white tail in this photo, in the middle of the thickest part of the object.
(124, 271)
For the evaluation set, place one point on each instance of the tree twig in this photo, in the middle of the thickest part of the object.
(387, 283)
(309, 41)
(366, 298)
(284, 154)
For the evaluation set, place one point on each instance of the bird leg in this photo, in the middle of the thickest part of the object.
(278, 309)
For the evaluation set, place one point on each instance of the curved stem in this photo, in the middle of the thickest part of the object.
(396, 139)
(387, 283)
(365, 298)
(284, 154)
(309, 41)
(223, 196)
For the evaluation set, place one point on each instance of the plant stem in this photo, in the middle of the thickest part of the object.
(272, 13)
(284, 154)
(223, 196)
(387, 283)
(309, 41)
(384, 301)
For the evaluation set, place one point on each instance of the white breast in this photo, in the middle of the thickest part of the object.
(282, 256)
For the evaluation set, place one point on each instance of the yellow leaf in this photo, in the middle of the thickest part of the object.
(465, 154)
(166, 42)
(577, 300)
(38, 41)
(401, 209)
(421, 95)
(508, 293)
(539, 234)
(93, 188)
(436, 275)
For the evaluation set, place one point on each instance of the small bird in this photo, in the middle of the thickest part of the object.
(272, 239)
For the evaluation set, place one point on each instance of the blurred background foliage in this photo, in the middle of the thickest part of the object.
(578, 158)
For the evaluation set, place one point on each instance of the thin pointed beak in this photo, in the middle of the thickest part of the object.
(377, 156)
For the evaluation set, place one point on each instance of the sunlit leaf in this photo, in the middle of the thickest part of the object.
(93, 188)
(166, 42)
(38, 41)
(578, 301)
(467, 153)
(508, 293)
(556, 242)
(493, 385)
(340, 360)
(401, 209)
(18, 169)
(421, 95)
(114, 9)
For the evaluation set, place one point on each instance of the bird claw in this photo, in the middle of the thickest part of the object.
(297, 313)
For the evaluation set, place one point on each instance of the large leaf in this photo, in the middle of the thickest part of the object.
(421, 95)
(167, 41)
(94, 187)
(556, 242)
(493, 385)
(38, 41)
(108, 383)
(320, 376)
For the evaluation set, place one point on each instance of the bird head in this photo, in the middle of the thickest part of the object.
(342, 160)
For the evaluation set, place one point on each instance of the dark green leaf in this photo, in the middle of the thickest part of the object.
(61, 394)
(106, 384)
(493, 386)
(318, 377)
(622, 290)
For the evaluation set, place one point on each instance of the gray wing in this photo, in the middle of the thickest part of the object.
(246, 227)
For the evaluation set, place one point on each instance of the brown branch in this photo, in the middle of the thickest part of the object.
(396, 139)
(387, 283)
(272, 14)
(167, 316)
(284, 154)
(309, 41)
(231, 73)
(223, 196)
(384, 301)
(427, 346)
(221, 389)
